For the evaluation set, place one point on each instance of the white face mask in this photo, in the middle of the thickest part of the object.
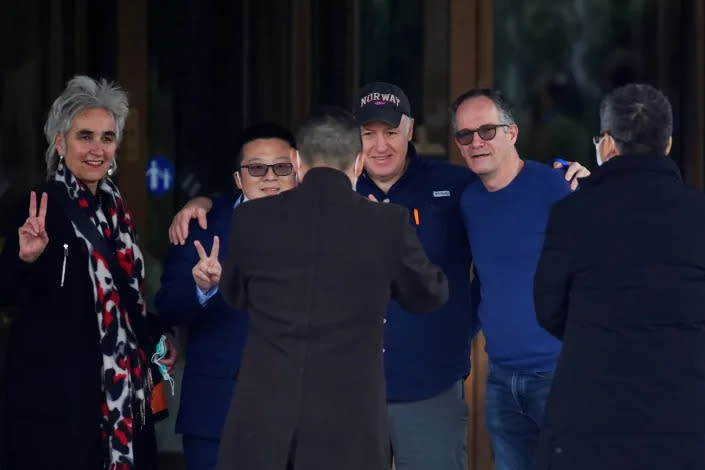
(598, 157)
(357, 160)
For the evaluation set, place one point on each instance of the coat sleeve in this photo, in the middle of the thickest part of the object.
(14, 273)
(553, 275)
(232, 281)
(418, 285)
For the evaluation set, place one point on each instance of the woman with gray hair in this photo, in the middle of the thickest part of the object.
(78, 375)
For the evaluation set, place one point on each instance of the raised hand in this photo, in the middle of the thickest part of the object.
(196, 208)
(33, 238)
(573, 172)
(207, 271)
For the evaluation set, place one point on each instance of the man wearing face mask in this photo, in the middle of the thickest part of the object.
(315, 269)
(189, 295)
(624, 289)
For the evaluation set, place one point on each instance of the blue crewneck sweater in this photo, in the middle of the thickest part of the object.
(506, 232)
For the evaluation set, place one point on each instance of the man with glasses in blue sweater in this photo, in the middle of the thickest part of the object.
(505, 213)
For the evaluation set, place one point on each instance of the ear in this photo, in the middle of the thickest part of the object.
(609, 147)
(360, 164)
(411, 129)
(238, 181)
(292, 157)
(670, 144)
(59, 144)
(513, 131)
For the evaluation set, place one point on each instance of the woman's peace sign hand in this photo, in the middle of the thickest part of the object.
(33, 238)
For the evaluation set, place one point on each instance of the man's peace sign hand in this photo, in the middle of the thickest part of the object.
(207, 271)
(33, 238)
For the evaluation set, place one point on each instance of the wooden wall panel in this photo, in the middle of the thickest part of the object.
(472, 65)
(132, 75)
(693, 113)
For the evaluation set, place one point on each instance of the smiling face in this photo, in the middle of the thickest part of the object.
(267, 152)
(486, 158)
(89, 146)
(385, 148)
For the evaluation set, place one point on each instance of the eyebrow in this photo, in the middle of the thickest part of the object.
(259, 158)
(82, 132)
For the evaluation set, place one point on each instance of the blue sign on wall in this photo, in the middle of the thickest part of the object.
(160, 175)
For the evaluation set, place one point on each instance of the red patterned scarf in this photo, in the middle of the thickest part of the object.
(126, 376)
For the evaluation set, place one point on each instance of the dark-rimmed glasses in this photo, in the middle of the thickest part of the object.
(261, 169)
(486, 132)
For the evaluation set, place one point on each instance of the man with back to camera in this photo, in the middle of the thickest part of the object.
(625, 290)
(505, 214)
(315, 268)
(188, 295)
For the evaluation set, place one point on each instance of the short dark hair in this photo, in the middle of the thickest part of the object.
(638, 117)
(263, 130)
(504, 107)
(329, 136)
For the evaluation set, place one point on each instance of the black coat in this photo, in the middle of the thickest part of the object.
(51, 405)
(622, 282)
(315, 267)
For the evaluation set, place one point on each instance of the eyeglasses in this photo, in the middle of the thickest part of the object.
(486, 132)
(261, 169)
(596, 140)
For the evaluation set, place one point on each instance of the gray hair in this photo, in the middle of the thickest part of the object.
(504, 108)
(329, 136)
(638, 117)
(82, 93)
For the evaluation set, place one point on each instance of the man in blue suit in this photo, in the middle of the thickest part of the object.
(189, 297)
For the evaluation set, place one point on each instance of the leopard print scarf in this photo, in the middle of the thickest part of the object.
(126, 376)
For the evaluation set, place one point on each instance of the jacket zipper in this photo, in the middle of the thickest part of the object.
(63, 265)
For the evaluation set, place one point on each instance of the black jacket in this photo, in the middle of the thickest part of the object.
(622, 282)
(315, 267)
(53, 396)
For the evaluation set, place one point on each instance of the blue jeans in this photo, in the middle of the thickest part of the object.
(515, 403)
(431, 433)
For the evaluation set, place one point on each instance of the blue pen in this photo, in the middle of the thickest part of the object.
(563, 163)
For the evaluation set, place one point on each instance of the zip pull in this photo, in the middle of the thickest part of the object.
(63, 265)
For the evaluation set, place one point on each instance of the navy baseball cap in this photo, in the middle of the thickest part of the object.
(380, 101)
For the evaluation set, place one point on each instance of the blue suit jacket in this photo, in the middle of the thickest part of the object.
(216, 333)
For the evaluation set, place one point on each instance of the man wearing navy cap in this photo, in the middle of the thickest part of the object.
(426, 357)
